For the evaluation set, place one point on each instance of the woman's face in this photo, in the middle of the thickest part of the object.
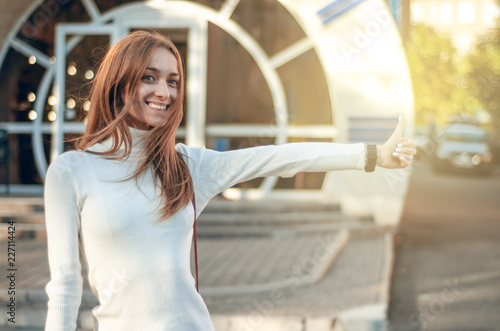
(156, 91)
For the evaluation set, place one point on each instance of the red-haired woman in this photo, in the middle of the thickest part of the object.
(126, 194)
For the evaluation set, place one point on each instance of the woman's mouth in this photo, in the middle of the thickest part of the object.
(157, 106)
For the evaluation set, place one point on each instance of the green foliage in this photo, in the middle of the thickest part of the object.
(484, 75)
(437, 73)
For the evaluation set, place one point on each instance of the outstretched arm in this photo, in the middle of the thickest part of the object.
(214, 171)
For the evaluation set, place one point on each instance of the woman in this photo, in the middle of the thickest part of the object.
(127, 193)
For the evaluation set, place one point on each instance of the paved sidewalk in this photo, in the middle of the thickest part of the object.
(287, 278)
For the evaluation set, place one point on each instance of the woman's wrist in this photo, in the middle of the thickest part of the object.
(374, 157)
(380, 157)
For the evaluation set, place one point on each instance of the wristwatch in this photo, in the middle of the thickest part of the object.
(371, 158)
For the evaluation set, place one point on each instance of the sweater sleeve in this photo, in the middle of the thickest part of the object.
(63, 223)
(214, 171)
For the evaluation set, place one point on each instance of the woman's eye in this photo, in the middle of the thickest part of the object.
(148, 78)
(173, 82)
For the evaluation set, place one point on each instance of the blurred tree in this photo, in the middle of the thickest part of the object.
(437, 73)
(484, 75)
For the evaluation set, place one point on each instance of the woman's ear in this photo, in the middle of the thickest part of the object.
(125, 94)
(120, 101)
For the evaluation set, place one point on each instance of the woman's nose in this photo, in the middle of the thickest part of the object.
(161, 90)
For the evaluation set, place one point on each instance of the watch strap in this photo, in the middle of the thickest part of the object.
(371, 158)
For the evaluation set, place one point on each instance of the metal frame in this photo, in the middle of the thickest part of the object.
(61, 50)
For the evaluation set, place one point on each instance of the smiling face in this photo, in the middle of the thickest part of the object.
(156, 91)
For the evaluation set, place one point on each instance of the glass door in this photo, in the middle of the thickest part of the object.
(190, 37)
(78, 50)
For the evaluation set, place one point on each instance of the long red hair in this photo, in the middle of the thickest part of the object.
(122, 68)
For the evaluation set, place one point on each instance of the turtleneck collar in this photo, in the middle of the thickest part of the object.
(138, 141)
(138, 136)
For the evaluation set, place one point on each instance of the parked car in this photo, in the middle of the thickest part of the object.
(462, 147)
(494, 142)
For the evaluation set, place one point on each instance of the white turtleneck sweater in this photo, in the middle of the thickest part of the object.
(138, 267)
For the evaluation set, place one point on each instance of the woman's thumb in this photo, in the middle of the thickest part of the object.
(398, 131)
(397, 134)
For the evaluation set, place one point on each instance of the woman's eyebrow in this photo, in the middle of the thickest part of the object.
(159, 71)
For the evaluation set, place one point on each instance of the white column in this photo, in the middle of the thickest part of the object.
(196, 84)
(59, 88)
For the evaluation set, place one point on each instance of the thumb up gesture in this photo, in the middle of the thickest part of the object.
(397, 152)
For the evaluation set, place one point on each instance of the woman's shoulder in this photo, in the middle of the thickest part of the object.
(193, 156)
(180, 147)
(188, 151)
(70, 159)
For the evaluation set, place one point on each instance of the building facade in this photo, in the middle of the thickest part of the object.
(466, 21)
(258, 72)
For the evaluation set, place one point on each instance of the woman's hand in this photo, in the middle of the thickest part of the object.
(397, 152)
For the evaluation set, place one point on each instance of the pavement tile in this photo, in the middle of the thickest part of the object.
(318, 324)
(257, 322)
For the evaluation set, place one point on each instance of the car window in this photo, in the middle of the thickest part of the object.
(464, 136)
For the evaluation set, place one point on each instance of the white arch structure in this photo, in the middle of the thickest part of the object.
(166, 14)
(368, 80)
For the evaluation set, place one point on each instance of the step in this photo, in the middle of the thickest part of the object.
(21, 204)
(26, 212)
(29, 216)
(221, 323)
(265, 218)
(28, 224)
(218, 205)
(31, 317)
(220, 217)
